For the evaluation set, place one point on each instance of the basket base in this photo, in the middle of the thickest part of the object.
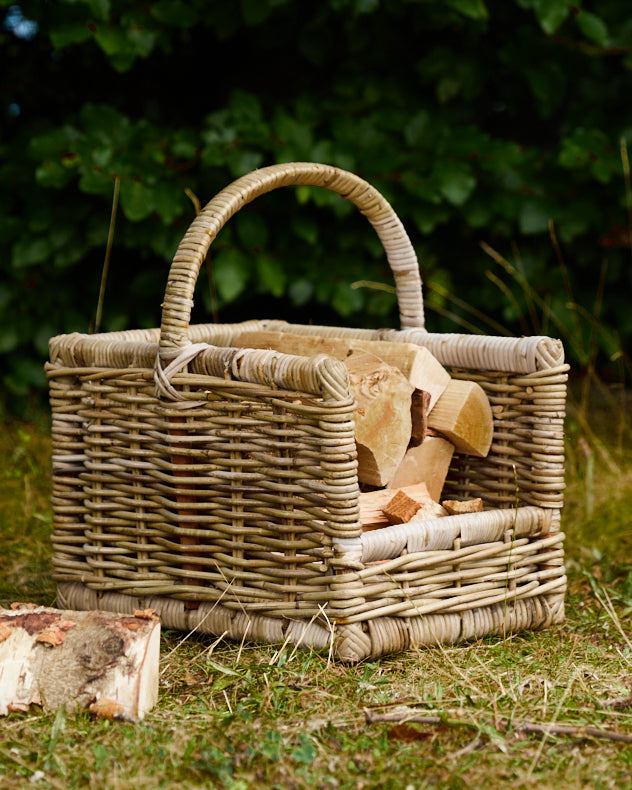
(348, 643)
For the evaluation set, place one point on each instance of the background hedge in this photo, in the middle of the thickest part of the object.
(505, 122)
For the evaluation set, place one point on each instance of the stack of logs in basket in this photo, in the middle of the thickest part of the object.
(410, 418)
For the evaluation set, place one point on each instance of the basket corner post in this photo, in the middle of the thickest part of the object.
(351, 643)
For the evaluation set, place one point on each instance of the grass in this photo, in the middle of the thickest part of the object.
(241, 716)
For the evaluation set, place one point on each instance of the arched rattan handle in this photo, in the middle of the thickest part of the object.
(176, 309)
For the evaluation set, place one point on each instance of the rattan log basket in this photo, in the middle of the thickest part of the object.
(218, 485)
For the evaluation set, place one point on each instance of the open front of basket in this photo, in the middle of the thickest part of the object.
(218, 485)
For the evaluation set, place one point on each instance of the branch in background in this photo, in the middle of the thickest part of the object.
(108, 253)
(617, 703)
(625, 163)
(502, 725)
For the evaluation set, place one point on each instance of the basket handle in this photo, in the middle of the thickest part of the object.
(176, 309)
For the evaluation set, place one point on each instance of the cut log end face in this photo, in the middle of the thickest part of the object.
(49, 657)
(463, 415)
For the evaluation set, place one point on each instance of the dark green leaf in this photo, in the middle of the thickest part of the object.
(26, 375)
(169, 200)
(174, 14)
(272, 275)
(456, 181)
(142, 41)
(231, 272)
(243, 161)
(53, 144)
(534, 218)
(95, 182)
(593, 27)
(30, 251)
(9, 339)
(475, 9)
(137, 200)
(251, 229)
(548, 84)
(100, 8)
(552, 13)
(347, 300)
(53, 174)
(111, 39)
(366, 6)
(255, 12)
(305, 227)
(70, 34)
(300, 292)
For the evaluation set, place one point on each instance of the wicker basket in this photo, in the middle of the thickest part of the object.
(219, 485)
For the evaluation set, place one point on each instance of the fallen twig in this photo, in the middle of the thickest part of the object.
(502, 725)
(618, 703)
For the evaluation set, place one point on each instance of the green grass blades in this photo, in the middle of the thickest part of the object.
(239, 716)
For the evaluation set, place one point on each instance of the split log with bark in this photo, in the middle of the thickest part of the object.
(97, 660)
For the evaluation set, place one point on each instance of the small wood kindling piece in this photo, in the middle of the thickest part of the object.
(401, 508)
(456, 507)
(372, 504)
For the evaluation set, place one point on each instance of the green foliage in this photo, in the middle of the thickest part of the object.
(479, 121)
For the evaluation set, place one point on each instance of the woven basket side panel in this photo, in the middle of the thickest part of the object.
(525, 464)
(471, 573)
(232, 495)
(68, 465)
(394, 635)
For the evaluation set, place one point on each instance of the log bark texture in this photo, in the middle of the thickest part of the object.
(98, 660)
(401, 508)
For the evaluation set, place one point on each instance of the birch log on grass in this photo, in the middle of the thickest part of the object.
(97, 660)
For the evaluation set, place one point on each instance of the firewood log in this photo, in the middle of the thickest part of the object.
(95, 659)
(382, 416)
(425, 463)
(464, 416)
(416, 363)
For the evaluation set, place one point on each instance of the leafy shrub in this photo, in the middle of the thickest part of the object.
(495, 122)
